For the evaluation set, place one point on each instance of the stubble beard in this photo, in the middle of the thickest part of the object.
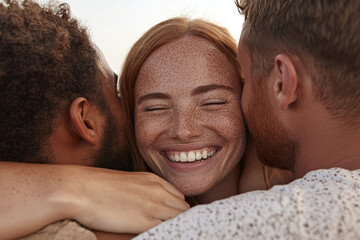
(274, 145)
(113, 153)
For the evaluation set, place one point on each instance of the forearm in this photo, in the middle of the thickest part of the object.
(34, 195)
(29, 198)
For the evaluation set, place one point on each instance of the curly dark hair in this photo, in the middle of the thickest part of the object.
(46, 61)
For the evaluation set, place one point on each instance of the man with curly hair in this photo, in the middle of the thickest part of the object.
(59, 105)
(50, 76)
(301, 67)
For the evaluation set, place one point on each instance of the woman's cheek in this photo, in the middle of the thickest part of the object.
(228, 122)
(148, 128)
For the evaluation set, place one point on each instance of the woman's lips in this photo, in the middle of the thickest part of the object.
(191, 156)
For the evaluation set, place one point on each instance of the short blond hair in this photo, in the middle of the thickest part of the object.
(324, 34)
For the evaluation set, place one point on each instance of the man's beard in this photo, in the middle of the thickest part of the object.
(113, 153)
(274, 145)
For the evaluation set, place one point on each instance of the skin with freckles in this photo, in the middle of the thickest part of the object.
(187, 101)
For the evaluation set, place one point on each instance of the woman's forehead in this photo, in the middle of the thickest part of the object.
(184, 54)
(187, 62)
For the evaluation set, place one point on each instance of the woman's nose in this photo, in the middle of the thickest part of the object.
(185, 124)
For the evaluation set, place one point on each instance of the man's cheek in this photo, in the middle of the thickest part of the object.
(245, 99)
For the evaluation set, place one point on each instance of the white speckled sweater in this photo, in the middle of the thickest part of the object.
(324, 204)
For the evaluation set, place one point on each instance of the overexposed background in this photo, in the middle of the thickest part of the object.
(115, 25)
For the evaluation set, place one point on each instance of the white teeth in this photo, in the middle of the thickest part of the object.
(210, 154)
(183, 157)
(204, 154)
(191, 157)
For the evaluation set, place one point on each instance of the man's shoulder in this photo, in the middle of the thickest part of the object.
(318, 184)
(319, 205)
(327, 180)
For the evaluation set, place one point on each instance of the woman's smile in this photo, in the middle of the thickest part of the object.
(191, 156)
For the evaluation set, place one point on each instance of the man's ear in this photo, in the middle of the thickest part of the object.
(84, 121)
(286, 83)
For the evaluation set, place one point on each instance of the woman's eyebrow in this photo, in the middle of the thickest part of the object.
(151, 96)
(208, 88)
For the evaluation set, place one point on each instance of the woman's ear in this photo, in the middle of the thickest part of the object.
(84, 121)
(286, 83)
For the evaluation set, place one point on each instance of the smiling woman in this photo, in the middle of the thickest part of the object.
(181, 90)
(190, 129)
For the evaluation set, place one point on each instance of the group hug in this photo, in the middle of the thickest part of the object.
(199, 136)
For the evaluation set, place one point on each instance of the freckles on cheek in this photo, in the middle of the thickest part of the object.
(146, 130)
(231, 125)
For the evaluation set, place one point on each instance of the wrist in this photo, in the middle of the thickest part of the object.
(65, 198)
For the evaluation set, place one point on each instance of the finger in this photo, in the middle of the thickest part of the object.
(170, 188)
(160, 195)
(164, 212)
(143, 224)
(134, 222)
(153, 178)
(175, 202)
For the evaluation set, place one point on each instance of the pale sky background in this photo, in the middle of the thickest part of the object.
(115, 25)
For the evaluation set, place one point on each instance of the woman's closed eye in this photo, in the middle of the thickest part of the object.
(155, 108)
(214, 102)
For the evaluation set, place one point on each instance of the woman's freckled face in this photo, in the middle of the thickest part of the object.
(187, 101)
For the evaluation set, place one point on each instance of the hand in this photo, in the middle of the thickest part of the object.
(117, 201)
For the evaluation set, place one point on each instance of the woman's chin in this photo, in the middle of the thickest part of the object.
(191, 189)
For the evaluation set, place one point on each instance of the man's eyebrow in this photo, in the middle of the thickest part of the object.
(151, 96)
(208, 88)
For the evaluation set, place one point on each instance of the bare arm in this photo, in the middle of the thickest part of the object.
(34, 195)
